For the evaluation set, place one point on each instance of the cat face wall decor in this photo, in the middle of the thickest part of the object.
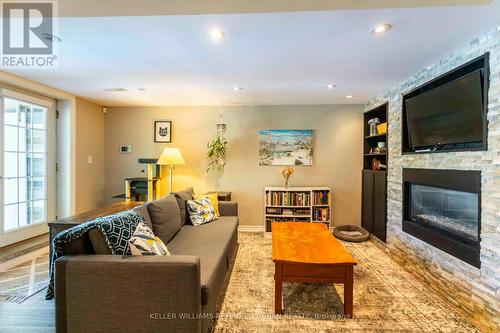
(163, 131)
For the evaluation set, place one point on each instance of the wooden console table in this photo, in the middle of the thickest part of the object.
(308, 252)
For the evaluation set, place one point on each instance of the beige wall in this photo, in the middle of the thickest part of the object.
(337, 151)
(90, 178)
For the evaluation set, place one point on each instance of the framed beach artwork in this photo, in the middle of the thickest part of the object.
(163, 131)
(286, 147)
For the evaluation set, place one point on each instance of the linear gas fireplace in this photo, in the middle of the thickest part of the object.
(443, 208)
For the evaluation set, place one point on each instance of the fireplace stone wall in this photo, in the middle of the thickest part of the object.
(475, 292)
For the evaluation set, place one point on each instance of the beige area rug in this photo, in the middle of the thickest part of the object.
(22, 281)
(386, 298)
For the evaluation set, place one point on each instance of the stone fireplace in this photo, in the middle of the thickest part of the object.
(472, 290)
(443, 208)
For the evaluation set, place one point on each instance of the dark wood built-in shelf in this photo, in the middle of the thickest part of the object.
(374, 182)
(378, 154)
(375, 136)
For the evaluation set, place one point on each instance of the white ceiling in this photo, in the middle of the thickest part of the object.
(277, 58)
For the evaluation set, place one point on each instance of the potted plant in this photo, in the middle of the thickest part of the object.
(217, 153)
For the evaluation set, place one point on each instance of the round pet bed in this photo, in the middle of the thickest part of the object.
(351, 233)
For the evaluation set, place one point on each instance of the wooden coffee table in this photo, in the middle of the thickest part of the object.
(308, 252)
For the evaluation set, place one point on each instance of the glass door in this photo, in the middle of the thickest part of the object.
(27, 177)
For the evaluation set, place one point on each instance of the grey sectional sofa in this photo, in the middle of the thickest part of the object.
(98, 292)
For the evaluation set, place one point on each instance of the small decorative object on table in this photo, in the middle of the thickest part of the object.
(286, 173)
(373, 126)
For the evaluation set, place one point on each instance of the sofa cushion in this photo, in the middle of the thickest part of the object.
(143, 210)
(165, 217)
(214, 199)
(201, 211)
(211, 242)
(98, 241)
(182, 197)
(145, 243)
(118, 228)
(97, 238)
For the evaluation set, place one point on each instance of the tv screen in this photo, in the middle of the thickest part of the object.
(448, 114)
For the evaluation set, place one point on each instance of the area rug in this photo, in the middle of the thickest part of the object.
(386, 298)
(24, 280)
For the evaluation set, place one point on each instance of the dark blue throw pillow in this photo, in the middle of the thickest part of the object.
(118, 229)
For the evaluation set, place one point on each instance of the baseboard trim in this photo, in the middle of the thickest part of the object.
(251, 228)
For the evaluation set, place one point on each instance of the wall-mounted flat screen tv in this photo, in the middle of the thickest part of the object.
(448, 114)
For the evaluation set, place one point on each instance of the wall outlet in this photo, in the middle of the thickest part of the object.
(90, 160)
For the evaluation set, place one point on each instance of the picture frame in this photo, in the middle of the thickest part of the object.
(286, 147)
(162, 131)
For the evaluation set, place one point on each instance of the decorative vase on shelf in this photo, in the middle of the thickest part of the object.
(286, 173)
(373, 126)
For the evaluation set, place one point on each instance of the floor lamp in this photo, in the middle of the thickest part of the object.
(171, 157)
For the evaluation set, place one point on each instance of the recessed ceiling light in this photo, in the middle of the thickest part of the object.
(349, 96)
(330, 86)
(380, 28)
(115, 89)
(237, 88)
(216, 34)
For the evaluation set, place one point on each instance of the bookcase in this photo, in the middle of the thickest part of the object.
(374, 180)
(297, 204)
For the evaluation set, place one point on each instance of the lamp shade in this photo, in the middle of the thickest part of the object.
(171, 156)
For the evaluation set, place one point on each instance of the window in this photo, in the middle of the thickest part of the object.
(25, 159)
(27, 155)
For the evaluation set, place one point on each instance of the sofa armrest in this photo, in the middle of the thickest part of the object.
(228, 208)
(140, 293)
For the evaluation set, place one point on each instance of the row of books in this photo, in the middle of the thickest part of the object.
(269, 221)
(274, 198)
(321, 214)
(321, 197)
(288, 211)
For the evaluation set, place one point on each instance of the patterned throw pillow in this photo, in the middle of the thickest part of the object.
(118, 229)
(214, 199)
(144, 243)
(201, 211)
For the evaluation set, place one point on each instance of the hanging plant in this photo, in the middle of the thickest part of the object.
(217, 147)
(217, 153)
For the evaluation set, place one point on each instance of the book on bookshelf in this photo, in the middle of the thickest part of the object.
(278, 198)
(321, 197)
(321, 214)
